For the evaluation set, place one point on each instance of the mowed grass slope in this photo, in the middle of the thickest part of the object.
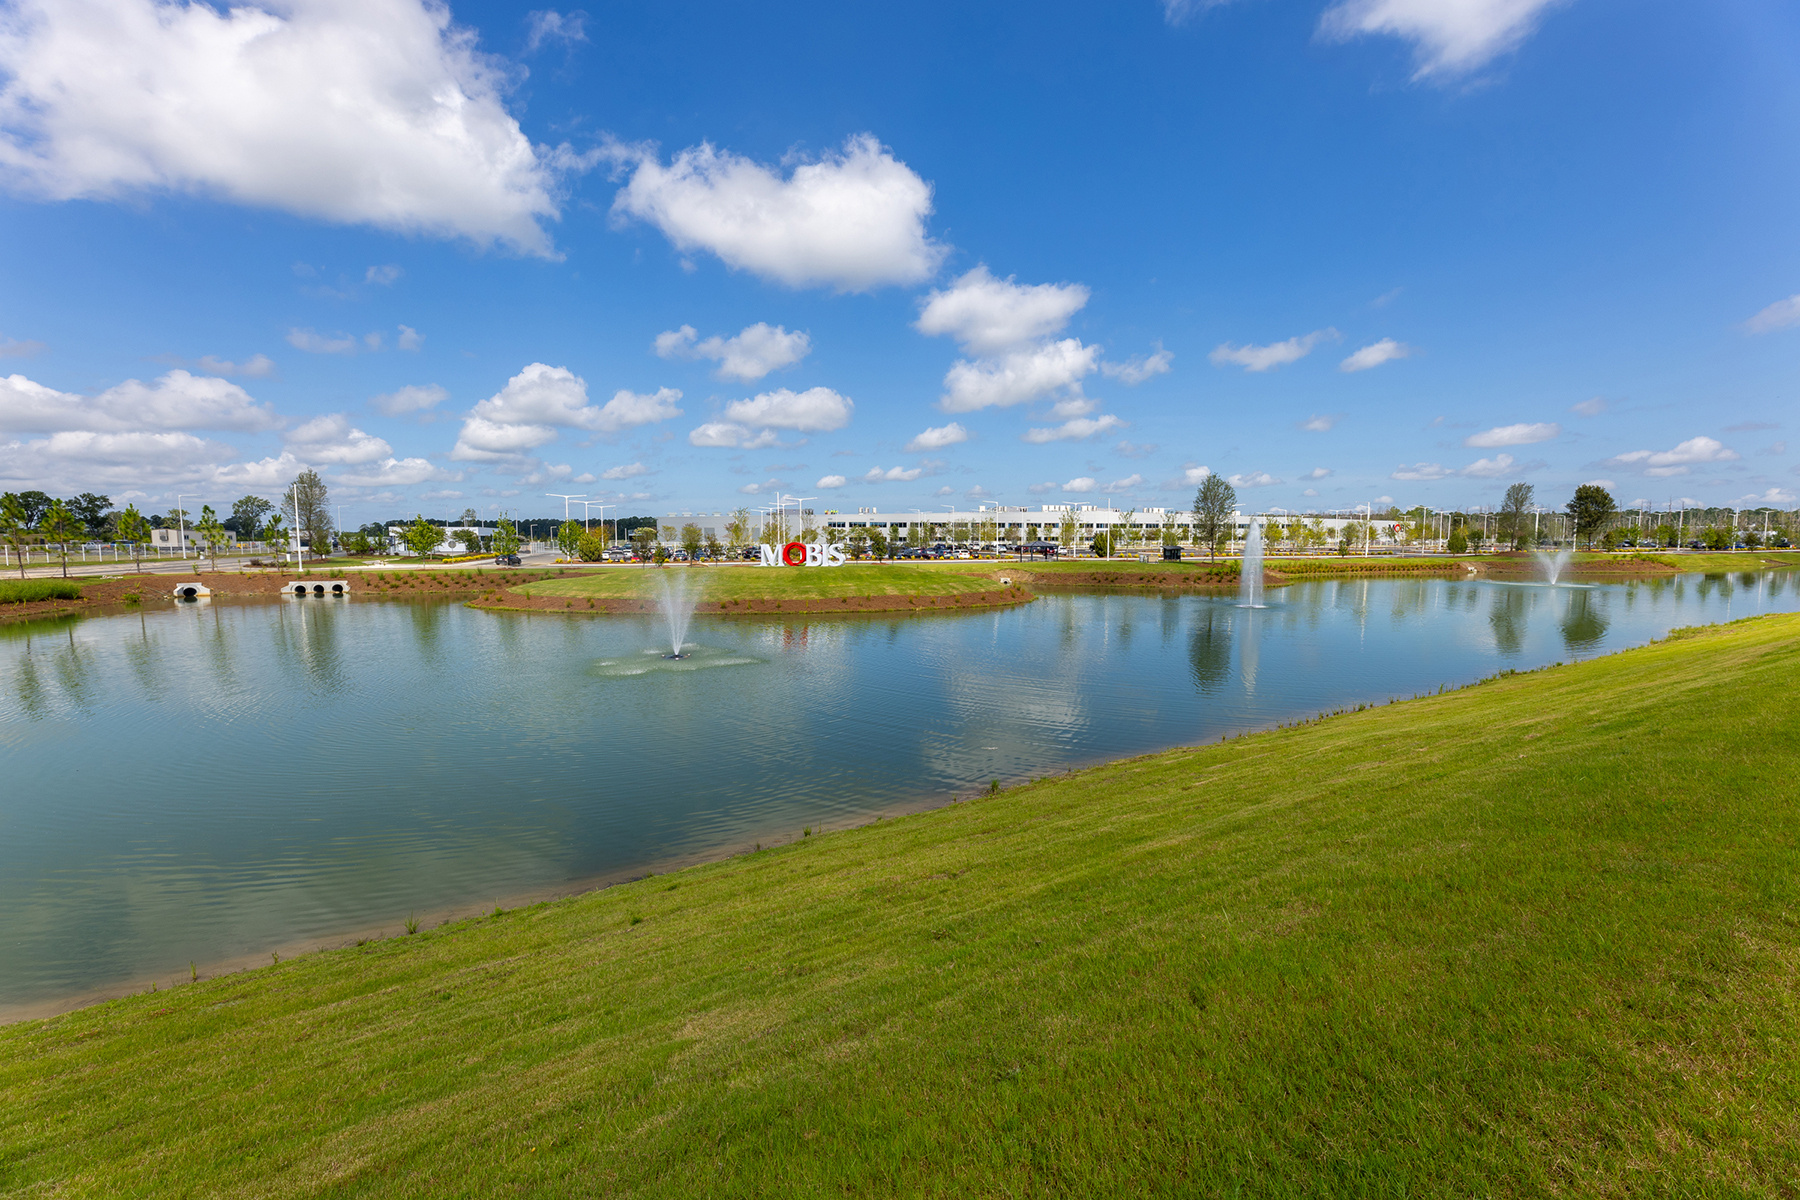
(726, 583)
(1540, 936)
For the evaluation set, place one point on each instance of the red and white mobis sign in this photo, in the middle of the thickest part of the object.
(803, 554)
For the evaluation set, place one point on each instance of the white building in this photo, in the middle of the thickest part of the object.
(1014, 523)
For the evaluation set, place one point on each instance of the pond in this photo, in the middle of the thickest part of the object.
(215, 782)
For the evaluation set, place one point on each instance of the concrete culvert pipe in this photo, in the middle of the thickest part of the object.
(318, 589)
(299, 589)
(192, 590)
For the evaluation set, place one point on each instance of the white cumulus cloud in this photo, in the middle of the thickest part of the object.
(332, 439)
(393, 472)
(1125, 484)
(409, 399)
(1134, 371)
(482, 440)
(1514, 435)
(1017, 376)
(853, 220)
(937, 437)
(1252, 479)
(1318, 473)
(1077, 430)
(747, 357)
(1319, 424)
(1267, 358)
(628, 471)
(378, 112)
(1696, 451)
(628, 410)
(988, 315)
(177, 400)
(829, 482)
(1450, 37)
(726, 435)
(816, 410)
(1374, 354)
(1421, 471)
(1080, 484)
(893, 475)
(1489, 468)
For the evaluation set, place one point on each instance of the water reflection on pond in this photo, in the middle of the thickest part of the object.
(225, 778)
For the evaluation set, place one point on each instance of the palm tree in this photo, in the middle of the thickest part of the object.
(59, 525)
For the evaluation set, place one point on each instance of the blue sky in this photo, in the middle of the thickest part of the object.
(682, 256)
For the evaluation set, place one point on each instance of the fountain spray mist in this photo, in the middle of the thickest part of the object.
(1250, 578)
(679, 596)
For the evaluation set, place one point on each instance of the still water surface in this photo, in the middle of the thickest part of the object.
(226, 778)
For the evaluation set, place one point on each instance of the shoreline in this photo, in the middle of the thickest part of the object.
(474, 583)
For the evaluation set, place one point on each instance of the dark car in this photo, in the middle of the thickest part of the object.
(506, 560)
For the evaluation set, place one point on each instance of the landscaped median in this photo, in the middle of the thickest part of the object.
(852, 588)
(1533, 937)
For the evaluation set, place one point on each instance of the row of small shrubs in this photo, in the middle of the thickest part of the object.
(18, 591)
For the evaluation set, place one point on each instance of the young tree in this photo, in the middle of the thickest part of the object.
(691, 538)
(568, 538)
(91, 511)
(274, 534)
(210, 531)
(1591, 511)
(468, 539)
(878, 542)
(506, 537)
(307, 505)
(1214, 504)
(15, 526)
(1067, 530)
(60, 525)
(591, 546)
(715, 549)
(643, 541)
(1515, 515)
(859, 542)
(470, 517)
(247, 516)
(917, 534)
(134, 531)
(737, 530)
(422, 537)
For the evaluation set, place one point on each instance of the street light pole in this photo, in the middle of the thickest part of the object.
(180, 525)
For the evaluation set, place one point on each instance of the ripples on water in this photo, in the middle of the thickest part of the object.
(226, 777)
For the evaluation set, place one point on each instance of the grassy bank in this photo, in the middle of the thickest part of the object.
(24, 591)
(1540, 936)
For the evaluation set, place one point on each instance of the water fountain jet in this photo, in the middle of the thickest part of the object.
(1250, 577)
(679, 598)
(1553, 564)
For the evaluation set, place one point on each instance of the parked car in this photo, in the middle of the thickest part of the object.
(506, 560)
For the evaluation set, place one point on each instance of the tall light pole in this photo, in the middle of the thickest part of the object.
(565, 500)
(181, 525)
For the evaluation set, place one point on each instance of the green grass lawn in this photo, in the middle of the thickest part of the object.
(798, 583)
(1536, 937)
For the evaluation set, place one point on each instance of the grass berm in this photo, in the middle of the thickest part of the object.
(1539, 936)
